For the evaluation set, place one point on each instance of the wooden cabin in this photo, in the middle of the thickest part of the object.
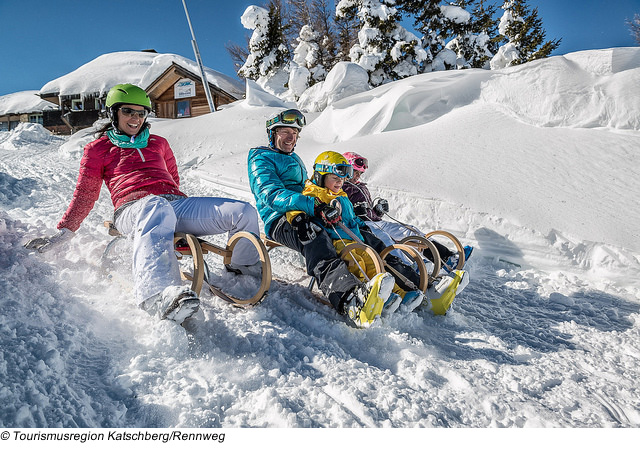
(22, 107)
(179, 93)
(77, 111)
(176, 93)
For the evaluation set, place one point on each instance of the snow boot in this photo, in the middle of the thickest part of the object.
(178, 304)
(391, 305)
(365, 304)
(452, 261)
(253, 270)
(412, 300)
(442, 293)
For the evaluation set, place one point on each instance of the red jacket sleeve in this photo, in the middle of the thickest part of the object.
(87, 189)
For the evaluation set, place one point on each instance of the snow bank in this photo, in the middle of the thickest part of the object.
(27, 134)
(598, 88)
(582, 90)
(344, 80)
(403, 104)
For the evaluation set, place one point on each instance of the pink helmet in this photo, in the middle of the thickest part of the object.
(358, 162)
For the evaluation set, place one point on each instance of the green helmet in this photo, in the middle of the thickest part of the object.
(127, 94)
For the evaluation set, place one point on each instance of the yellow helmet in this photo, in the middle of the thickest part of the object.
(331, 162)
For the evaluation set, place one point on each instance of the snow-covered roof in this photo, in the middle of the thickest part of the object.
(139, 68)
(24, 102)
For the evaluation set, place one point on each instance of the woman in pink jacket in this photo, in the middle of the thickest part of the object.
(141, 174)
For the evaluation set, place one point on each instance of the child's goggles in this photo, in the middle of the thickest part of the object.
(341, 170)
(360, 164)
(288, 117)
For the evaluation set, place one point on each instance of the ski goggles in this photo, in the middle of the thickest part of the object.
(341, 170)
(130, 112)
(360, 164)
(288, 117)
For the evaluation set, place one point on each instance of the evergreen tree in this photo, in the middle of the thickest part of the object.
(347, 26)
(385, 49)
(475, 38)
(319, 16)
(634, 27)
(522, 28)
(305, 62)
(428, 20)
(268, 50)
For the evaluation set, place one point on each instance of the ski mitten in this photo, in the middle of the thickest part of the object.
(306, 230)
(381, 207)
(361, 210)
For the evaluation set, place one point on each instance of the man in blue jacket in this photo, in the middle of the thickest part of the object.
(277, 176)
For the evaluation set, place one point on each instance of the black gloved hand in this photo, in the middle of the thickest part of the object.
(381, 207)
(330, 215)
(361, 210)
(306, 230)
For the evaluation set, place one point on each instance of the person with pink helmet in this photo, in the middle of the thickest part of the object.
(372, 211)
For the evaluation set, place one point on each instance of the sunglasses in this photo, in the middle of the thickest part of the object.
(341, 170)
(129, 112)
(288, 117)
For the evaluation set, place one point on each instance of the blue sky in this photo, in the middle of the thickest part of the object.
(45, 39)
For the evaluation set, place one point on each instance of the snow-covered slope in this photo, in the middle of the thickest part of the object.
(546, 181)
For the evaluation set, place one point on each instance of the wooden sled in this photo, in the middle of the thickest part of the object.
(378, 260)
(416, 256)
(189, 245)
(422, 242)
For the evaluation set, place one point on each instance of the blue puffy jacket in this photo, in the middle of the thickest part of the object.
(277, 180)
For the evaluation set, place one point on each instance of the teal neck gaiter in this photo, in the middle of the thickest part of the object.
(124, 141)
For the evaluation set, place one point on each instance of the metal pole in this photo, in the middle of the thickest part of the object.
(194, 44)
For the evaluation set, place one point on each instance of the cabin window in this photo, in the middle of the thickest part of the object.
(183, 108)
(76, 105)
(36, 118)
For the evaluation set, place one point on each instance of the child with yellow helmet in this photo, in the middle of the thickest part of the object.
(331, 170)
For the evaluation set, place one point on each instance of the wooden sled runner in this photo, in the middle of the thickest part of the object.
(422, 242)
(189, 245)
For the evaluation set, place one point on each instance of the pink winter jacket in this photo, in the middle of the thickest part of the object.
(129, 174)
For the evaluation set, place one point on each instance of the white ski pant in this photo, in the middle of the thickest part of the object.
(152, 222)
(390, 233)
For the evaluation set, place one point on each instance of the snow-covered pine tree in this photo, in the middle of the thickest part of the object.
(307, 54)
(347, 26)
(474, 39)
(268, 51)
(323, 22)
(316, 42)
(385, 49)
(428, 20)
(523, 31)
(305, 68)
(634, 27)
